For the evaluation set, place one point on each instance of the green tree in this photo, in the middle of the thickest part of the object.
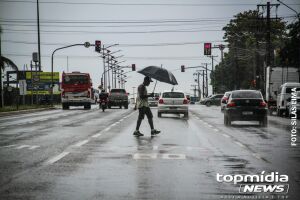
(245, 35)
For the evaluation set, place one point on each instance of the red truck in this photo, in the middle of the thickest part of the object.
(76, 90)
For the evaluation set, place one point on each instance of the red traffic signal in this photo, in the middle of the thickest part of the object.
(133, 67)
(207, 49)
(182, 68)
(98, 46)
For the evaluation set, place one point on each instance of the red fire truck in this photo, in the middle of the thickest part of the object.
(76, 90)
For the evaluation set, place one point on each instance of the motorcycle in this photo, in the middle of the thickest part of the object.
(103, 104)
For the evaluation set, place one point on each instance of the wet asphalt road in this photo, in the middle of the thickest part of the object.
(88, 154)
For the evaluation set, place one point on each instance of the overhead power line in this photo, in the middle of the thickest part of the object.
(134, 4)
(120, 45)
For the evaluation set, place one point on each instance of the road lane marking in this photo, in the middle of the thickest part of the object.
(23, 146)
(257, 156)
(240, 144)
(57, 158)
(216, 130)
(147, 156)
(107, 129)
(121, 120)
(96, 135)
(155, 147)
(8, 146)
(2, 127)
(34, 147)
(172, 156)
(225, 135)
(210, 126)
(79, 144)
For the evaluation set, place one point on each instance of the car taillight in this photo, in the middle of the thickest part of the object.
(231, 104)
(185, 101)
(161, 101)
(262, 104)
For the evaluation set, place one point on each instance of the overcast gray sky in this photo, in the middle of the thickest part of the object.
(141, 28)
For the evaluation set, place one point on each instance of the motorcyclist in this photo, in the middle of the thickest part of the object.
(103, 96)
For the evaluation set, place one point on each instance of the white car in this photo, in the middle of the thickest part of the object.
(174, 102)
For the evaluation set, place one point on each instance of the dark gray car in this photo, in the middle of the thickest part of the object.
(246, 105)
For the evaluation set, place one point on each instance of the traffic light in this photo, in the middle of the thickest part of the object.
(207, 49)
(97, 46)
(133, 67)
(182, 68)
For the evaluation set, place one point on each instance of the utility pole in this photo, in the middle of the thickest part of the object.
(212, 71)
(39, 37)
(269, 49)
(1, 67)
(203, 86)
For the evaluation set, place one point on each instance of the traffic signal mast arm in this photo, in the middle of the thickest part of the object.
(197, 67)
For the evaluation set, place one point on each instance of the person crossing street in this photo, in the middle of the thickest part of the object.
(143, 106)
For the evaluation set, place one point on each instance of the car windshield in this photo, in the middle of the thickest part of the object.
(117, 91)
(173, 95)
(76, 79)
(247, 94)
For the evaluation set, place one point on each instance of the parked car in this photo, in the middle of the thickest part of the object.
(246, 105)
(224, 100)
(118, 97)
(296, 104)
(202, 101)
(284, 94)
(174, 102)
(213, 100)
(153, 101)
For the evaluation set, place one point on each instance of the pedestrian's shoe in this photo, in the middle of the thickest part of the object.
(154, 132)
(138, 134)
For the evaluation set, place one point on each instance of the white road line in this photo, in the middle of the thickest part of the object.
(209, 125)
(57, 158)
(107, 129)
(2, 127)
(155, 147)
(113, 125)
(12, 145)
(34, 147)
(225, 135)
(23, 146)
(216, 130)
(121, 120)
(96, 135)
(79, 144)
(240, 144)
(257, 156)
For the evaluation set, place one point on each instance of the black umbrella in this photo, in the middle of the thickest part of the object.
(160, 74)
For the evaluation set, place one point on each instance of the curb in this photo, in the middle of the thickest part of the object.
(3, 114)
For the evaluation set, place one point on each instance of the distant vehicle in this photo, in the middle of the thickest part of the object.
(174, 102)
(284, 94)
(153, 101)
(202, 101)
(246, 105)
(76, 90)
(224, 100)
(118, 97)
(96, 95)
(213, 100)
(297, 105)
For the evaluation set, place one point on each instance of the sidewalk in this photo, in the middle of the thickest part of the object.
(17, 112)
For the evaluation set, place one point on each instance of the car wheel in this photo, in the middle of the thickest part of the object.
(186, 115)
(225, 120)
(208, 103)
(264, 122)
(65, 106)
